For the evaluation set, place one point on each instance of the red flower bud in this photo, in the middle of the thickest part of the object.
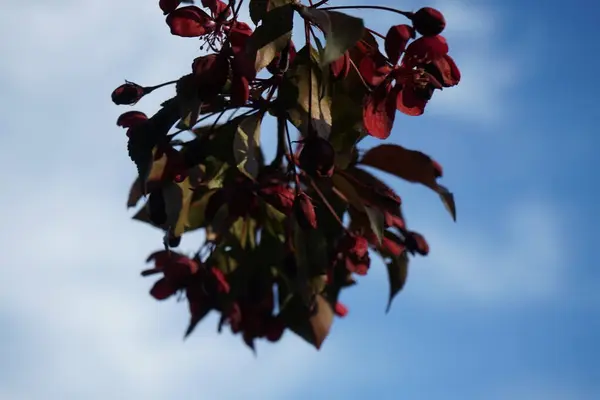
(340, 309)
(415, 242)
(128, 94)
(428, 21)
(274, 329)
(168, 6)
(396, 40)
(304, 211)
(317, 157)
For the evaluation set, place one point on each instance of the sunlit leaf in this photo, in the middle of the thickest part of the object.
(246, 145)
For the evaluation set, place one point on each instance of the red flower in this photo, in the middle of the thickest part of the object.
(129, 93)
(317, 156)
(190, 21)
(177, 270)
(354, 250)
(428, 21)
(425, 66)
(415, 243)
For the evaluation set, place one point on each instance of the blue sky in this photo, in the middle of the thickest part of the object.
(505, 306)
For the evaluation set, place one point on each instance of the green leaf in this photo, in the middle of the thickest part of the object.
(377, 221)
(271, 36)
(349, 192)
(246, 145)
(196, 215)
(244, 229)
(397, 269)
(153, 180)
(341, 31)
(448, 200)
(177, 204)
(295, 95)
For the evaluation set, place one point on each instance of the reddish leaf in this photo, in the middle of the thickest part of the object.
(379, 112)
(190, 21)
(410, 165)
(396, 40)
(238, 36)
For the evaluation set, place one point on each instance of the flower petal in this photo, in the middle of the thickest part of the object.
(162, 289)
(396, 40)
(379, 112)
(190, 21)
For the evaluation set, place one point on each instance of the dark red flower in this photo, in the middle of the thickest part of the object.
(190, 21)
(317, 157)
(129, 93)
(354, 250)
(177, 270)
(131, 119)
(219, 9)
(428, 21)
(304, 211)
(168, 6)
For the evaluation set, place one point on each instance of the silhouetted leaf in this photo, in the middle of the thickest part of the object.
(341, 31)
(312, 327)
(376, 220)
(448, 200)
(271, 36)
(397, 269)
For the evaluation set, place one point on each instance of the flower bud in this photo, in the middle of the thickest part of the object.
(428, 21)
(128, 94)
(317, 157)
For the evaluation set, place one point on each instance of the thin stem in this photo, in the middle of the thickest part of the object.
(151, 88)
(292, 159)
(320, 3)
(327, 204)
(375, 33)
(382, 8)
(281, 127)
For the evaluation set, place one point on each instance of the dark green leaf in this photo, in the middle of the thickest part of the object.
(246, 145)
(448, 200)
(258, 8)
(397, 269)
(313, 328)
(377, 221)
(271, 36)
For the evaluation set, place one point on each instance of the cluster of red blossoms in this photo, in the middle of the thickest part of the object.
(283, 238)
